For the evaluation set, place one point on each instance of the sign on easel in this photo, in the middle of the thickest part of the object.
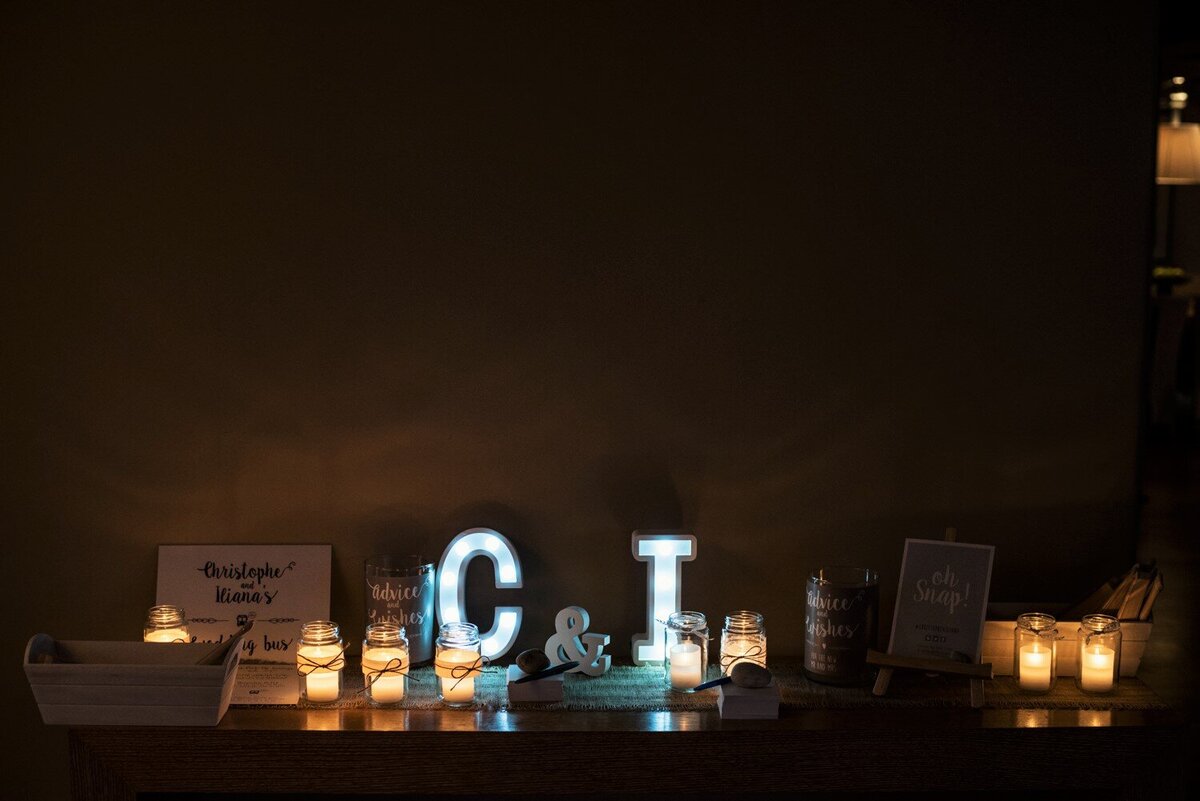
(942, 600)
(221, 586)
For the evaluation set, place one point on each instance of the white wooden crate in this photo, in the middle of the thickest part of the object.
(998, 640)
(79, 682)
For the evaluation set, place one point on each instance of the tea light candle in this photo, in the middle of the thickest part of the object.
(1096, 668)
(686, 670)
(322, 685)
(166, 635)
(386, 688)
(1035, 668)
(457, 690)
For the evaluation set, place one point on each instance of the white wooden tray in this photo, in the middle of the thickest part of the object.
(78, 682)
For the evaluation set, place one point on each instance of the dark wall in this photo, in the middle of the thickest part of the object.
(807, 279)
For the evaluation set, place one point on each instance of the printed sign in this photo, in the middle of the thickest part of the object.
(220, 586)
(400, 590)
(942, 600)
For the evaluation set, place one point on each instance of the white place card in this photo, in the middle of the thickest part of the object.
(220, 586)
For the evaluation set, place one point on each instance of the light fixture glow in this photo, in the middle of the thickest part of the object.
(664, 552)
(451, 595)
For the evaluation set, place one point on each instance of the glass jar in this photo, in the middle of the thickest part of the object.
(744, 639)
(400, 590)
(320, 658)
(166, 624)
(1035, 652)
(385, 662)
(841, 623)
(686, 651)
(1099, 651)
(457, 662)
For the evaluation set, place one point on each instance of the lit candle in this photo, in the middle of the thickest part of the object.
(167, 635)
(686, 670)
(1096, 668)
(742, 649)
(166, 623)
(386, 688)
(321, 684)
(457, 685)
(1035, 668)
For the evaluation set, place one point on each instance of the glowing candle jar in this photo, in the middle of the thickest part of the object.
(385, 663)
(166, 624)
(1099, 654)
(457, 662)
(1035, 652)
(686, 650)
(320, 658)
(744, 639)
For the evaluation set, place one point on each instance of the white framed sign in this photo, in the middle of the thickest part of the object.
(942, 600)
(219, 586)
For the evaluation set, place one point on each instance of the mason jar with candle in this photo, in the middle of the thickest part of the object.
(166, 624)
(1035, 652)
(320, 658)
(744, 639)
(686, 651)
(1099, 652)
(385, 662)
(457, 662)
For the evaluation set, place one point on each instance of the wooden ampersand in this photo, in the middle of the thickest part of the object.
(570, 643)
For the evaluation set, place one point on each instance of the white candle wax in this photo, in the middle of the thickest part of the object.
(1035, 667)
(732, 651)
(686, 670)
(166, 635)
(321, 684)
(387, 688)
(1096, 668)
(457, 686)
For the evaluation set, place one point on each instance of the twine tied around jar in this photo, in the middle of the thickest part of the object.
(754, 654)
(306, 664)
(393, 667)
(460, 671)
(686, 632)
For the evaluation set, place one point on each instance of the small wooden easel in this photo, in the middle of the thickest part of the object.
(889, 663)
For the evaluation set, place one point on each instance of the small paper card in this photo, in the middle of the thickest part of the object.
(219, 586)
(942, 600)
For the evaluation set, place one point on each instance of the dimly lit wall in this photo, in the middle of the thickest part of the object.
(806, 279)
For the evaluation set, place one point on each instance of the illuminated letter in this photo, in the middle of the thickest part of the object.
(664, 552)
(452, 575)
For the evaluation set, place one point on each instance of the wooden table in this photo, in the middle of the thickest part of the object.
(431, 753)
